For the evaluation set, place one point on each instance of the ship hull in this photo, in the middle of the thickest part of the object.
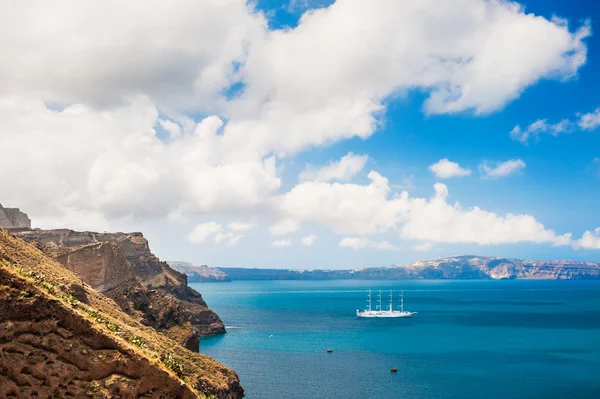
(383, 314)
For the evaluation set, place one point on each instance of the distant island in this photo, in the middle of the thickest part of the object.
(199, 274)
(466, 267)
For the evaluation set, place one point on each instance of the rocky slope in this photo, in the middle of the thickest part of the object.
(13, 218)
(122, 267)
(460, 267)
(61, 338)
(199, 274)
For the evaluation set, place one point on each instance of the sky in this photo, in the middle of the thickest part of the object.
(307, 133)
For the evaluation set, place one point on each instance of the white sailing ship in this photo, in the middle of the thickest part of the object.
(379, 312)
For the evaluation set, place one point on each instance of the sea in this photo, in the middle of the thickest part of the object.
(470, 339)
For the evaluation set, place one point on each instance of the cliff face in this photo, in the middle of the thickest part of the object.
(199, 274)
(460, 267)
(13, 218)
(123, 268)
(59, 337)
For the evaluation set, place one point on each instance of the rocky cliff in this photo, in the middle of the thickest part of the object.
(199, 274)
(460, 267)
(59, 337)
(122, 267)
(11, 218)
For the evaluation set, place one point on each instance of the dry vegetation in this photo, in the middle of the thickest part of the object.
(30, 275)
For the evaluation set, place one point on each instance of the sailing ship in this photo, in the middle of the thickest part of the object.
(379, 312)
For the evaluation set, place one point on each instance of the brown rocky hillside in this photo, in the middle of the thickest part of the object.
(122, 267)
(61, 338)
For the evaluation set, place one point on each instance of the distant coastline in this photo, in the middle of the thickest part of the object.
(467, 267)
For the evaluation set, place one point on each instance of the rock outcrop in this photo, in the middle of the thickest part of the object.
(61, 338)
(122, 267)
(199, 274)
(13, 218)
(459, 267)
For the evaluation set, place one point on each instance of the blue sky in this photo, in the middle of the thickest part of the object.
(143, 105)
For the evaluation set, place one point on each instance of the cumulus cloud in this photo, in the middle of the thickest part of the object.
(534, 130)
(204, 230)
(229, 236)
(285, 226)
(445, 169)
(591, 120)
(240, 226)
(435, 220)
(111, 164)
(587, 121)
(501, 169)
(362, 242)
(370, 209)
(96, 124)
(590, 239)
(327, 79)
(281, 243)
(180, 54)
(344, 208)
(309, 240)
(343, 170)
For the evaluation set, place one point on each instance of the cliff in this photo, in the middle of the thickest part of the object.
(199, 274)
(59, 337)
(460, 267)
(122, 267)
(11, 218)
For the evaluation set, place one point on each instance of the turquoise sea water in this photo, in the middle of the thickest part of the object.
(470, 339)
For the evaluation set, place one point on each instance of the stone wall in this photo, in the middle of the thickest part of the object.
(13, 218)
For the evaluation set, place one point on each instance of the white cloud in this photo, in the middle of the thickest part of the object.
(309, 240)
(343, 170)
(435, 220)
(111, 164)
(281, 243)
(93, 155)
(588, 121)
(240, 226)
(362, 242)
(591, 120)
(285, 226)
(204, 230)
(534, 130)
(590, 240)
(445, 169)
(354, 242)
(231, 237)
(327, 79)
(371, 209)
(501, 169)
(171, 127)
(344, 208)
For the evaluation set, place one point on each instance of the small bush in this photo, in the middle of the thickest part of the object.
(173, 364)
(138, 341)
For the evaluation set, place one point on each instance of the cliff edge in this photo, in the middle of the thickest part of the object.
(122, 267)
(13, 218)
(59, 337)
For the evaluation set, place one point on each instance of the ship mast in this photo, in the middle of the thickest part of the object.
(379, 301)
(369, 300)
(391, 292)
(402, 301)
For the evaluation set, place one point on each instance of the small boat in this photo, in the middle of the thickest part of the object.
(379, 312)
